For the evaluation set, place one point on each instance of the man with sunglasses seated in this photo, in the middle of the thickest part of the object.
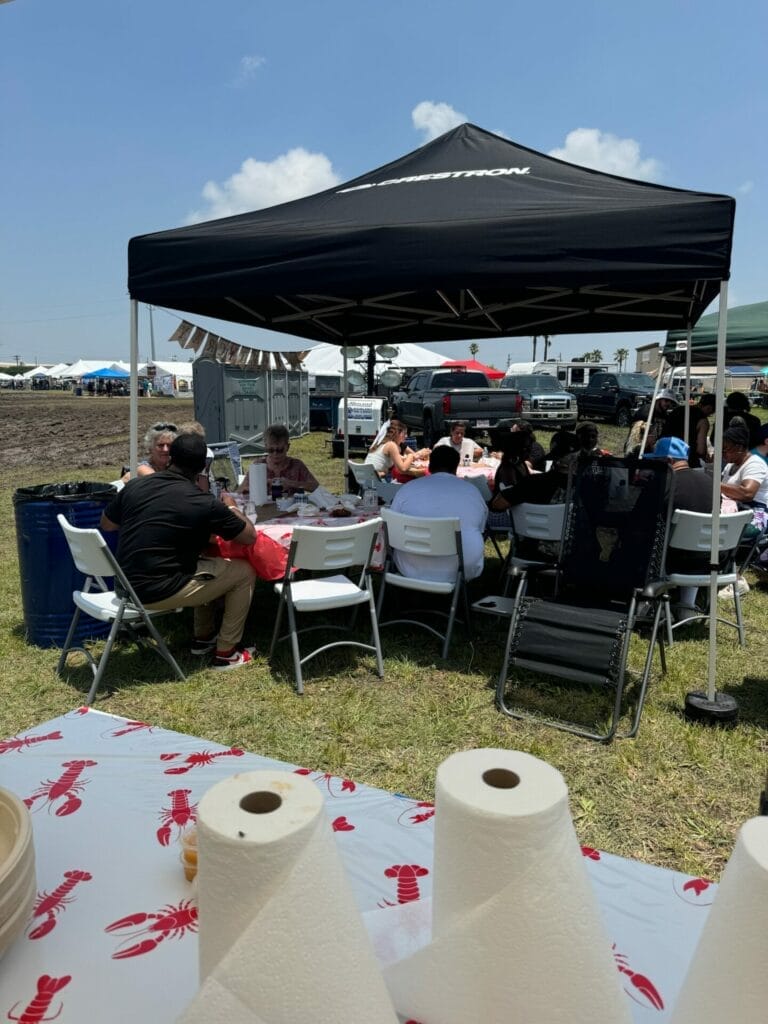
(165, 523)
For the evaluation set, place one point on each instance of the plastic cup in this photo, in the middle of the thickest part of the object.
(189, 853)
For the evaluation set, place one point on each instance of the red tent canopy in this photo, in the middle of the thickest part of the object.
(472, 364)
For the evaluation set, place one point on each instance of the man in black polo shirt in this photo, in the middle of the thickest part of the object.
(165, 522)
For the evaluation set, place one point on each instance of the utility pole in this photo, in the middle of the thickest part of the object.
(535, 339)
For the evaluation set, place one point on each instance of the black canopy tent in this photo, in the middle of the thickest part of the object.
(470, 236)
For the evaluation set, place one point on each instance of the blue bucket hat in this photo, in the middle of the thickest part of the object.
(669, 448)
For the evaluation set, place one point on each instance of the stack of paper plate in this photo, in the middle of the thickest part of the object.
(17, 868)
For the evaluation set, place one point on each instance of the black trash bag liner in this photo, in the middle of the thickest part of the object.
(82, 490)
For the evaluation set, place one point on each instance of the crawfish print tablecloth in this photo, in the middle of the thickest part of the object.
(113, 938)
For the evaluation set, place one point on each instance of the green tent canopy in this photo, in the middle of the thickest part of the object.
(746, 338)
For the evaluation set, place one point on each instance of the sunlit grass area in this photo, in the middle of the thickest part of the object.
(674, 796)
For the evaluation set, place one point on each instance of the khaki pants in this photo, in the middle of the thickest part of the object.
(231, 579)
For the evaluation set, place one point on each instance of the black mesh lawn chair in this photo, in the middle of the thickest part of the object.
(610, 584)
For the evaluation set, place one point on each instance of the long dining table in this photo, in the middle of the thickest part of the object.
(113, 936)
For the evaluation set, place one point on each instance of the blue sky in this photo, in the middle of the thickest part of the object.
(119, 119)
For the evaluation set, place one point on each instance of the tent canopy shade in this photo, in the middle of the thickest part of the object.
(107, 373)
(470, 236)
(746, 340)
(473, 365)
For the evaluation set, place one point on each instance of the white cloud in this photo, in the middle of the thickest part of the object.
(435, 118)
(249, 65)
(589, 147)
(745, 188)
(259, 184)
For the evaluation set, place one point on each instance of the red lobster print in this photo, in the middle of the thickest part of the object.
(201, 757)
(640, 984)
(34, 1012)
(169, 922)
(330, 781)
(180, 814)
(48, 905)
(127, 728)
(417, 814)
(67, 785)
(590, 853)
(407, 876)
(22, 742)
(697, 886)
(341, 824)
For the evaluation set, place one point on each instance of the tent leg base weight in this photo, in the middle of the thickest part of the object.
(723, 710)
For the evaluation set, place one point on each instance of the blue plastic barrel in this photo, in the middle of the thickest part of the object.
(48, 574)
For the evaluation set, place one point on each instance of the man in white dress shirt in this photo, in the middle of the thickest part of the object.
(443, 495)
(460, 443)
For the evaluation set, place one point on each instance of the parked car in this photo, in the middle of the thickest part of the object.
(433, 399)
(615, 396)
(546, 403)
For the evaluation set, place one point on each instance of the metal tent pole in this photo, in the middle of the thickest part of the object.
(687, 416)
(713, 707)
(133, 441)
(346, 417)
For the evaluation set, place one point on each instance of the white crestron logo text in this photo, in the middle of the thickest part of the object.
(492, 172)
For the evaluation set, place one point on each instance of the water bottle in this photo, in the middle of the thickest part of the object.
(467, 462)
(370, 497)
(277, 488)
(485, 453)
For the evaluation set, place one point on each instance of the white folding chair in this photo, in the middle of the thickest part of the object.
(530, 522)
(692, 532)
(439, 539)
(326, 549)
(366, 476)
(120, 606)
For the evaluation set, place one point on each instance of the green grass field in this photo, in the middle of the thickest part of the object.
(675, 796)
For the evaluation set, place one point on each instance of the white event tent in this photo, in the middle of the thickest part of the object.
(328, 360)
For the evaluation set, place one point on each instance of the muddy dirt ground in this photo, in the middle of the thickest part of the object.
(58, 428)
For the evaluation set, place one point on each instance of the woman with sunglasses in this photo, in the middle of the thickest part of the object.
(290, 472)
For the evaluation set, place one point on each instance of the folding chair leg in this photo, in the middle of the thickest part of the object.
(162, 647)
(451, 620)
(68, 642)
(99, 670)
(375, 634)
(647, 672)
(276, 630)
(739, 616)
(295, 650)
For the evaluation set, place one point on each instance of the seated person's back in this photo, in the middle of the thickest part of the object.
(443, 495)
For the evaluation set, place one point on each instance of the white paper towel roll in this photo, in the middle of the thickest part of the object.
(728, 976)
(517, 934)
(281, 941)
(257, 483)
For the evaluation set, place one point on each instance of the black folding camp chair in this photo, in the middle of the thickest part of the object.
(609, 585)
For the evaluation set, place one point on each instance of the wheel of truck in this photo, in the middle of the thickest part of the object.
(428, 433)
(623, 417)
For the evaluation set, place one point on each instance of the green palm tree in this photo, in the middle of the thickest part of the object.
(621, 355)
(474, 348)
(595, 356)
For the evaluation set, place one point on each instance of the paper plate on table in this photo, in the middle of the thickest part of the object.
(350, 499)
(18, 883)
(12, 928)
(15, 839)
(306, 511)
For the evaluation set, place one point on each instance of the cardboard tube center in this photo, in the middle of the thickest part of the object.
(501, 778)
(262, 802)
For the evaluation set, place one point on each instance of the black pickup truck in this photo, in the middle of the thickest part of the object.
(614, 396)
(433, 399)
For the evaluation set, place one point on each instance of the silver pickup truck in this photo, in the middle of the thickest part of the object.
(545, 402)
(433, 399)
